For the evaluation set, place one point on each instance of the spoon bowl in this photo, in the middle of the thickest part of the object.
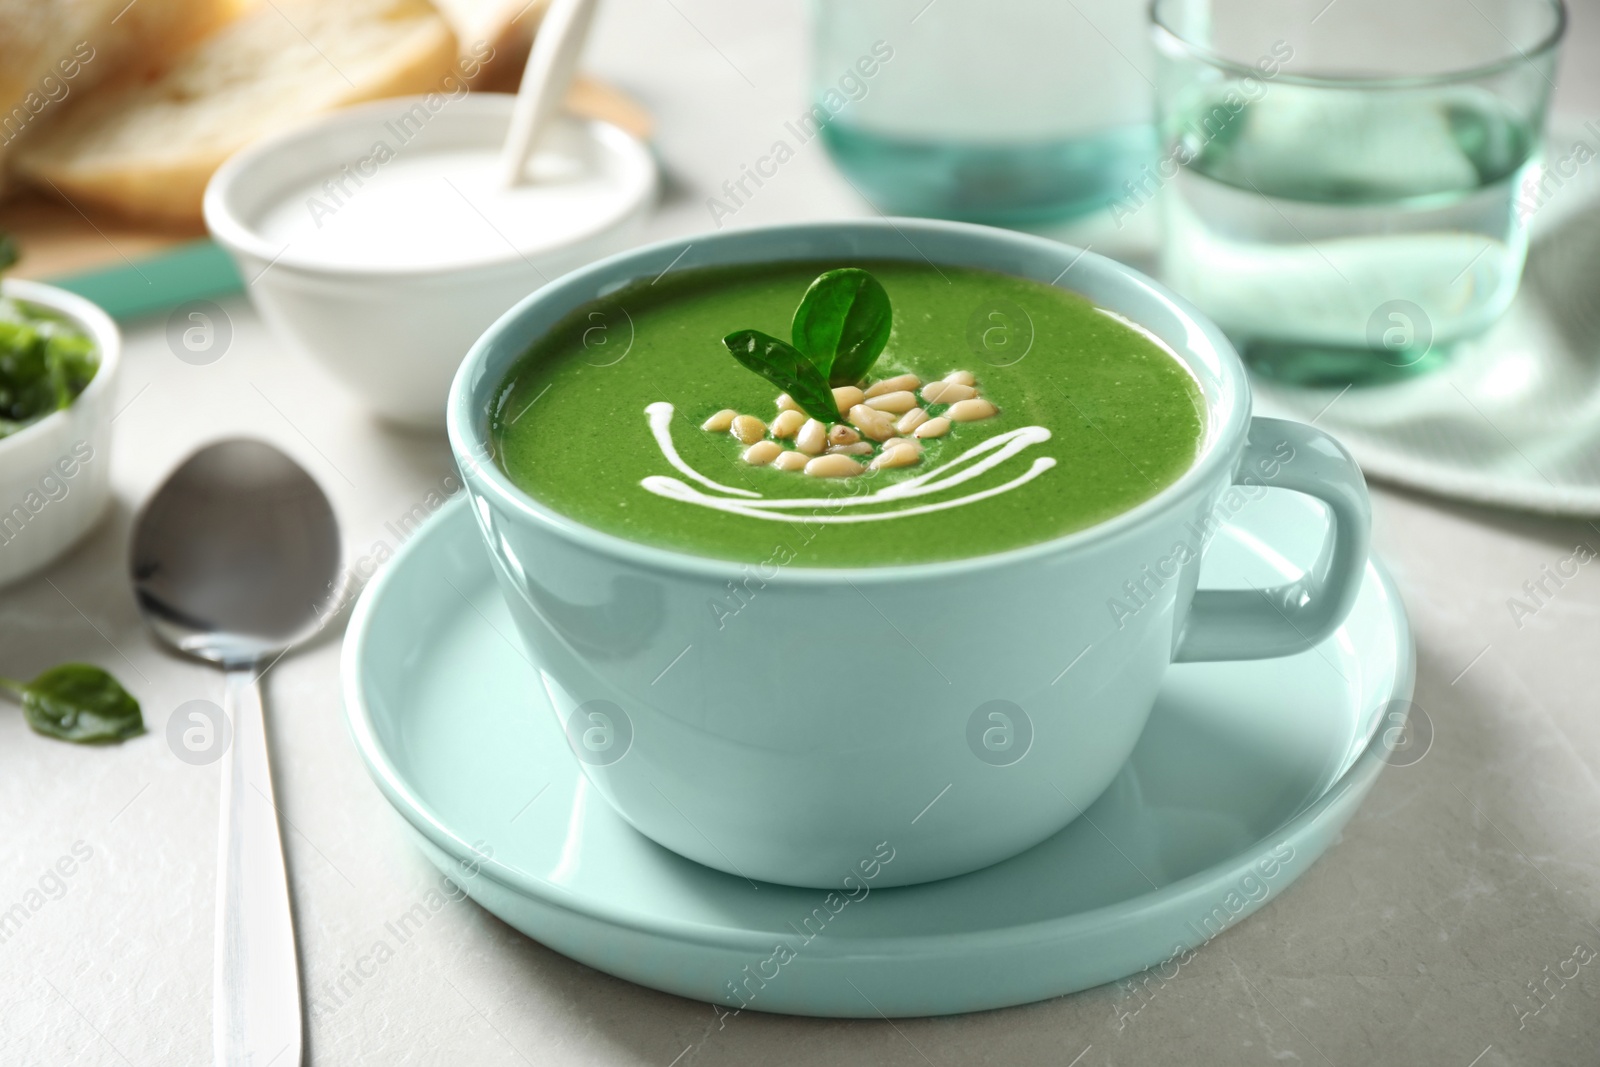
(236, 556)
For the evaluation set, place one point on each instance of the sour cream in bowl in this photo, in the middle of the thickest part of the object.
(380, 240)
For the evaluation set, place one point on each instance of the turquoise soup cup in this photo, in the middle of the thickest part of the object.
(892, 725)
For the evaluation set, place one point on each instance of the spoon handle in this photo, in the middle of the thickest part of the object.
(549, 71)
(256, 988)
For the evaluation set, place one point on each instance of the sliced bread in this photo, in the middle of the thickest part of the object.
(52, 52)
(145, 148)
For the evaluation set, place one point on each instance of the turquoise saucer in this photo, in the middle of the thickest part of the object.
(1243, 777)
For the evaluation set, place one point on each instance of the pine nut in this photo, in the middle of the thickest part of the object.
(748, 429)
(903, 442)
(961, 377)
(847, 397)
(972, 410)
(858, 448)
(842, 435)
(932, 428)
(833, 467)
(762, 452)
(908, 382)
(812, 438)
(911, 420)
(788, 423)
(947, 392)
(902, 456)
(872, 422)
(720, 421)
(792, 461)
(786, 403)
(895, 403)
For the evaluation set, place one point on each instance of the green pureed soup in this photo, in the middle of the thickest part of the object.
(1075, 416)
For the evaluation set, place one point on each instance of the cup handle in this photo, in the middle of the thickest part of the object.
(1233, 624)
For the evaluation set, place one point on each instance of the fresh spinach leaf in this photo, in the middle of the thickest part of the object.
(45, 359)
(782, 364)
(842, 324)
(78, 702)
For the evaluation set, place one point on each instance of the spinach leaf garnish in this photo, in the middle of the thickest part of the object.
(842, 324)
(782, 364)
(839, 331)
(78, 702)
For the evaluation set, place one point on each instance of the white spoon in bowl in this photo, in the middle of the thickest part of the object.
(551, 64)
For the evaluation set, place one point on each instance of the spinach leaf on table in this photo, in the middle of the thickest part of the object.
(78, 702)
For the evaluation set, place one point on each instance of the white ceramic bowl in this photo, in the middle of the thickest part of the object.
(395, 332)
(55, 474)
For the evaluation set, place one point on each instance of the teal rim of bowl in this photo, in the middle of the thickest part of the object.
(467, 418)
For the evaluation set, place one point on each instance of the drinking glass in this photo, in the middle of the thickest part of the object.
(1350, 181)
(1000, 111)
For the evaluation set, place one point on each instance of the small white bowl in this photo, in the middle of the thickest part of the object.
(55, 475)
(394, 331)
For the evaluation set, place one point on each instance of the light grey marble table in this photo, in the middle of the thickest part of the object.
(1465, 877)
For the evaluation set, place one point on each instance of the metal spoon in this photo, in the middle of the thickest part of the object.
(235, 560)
